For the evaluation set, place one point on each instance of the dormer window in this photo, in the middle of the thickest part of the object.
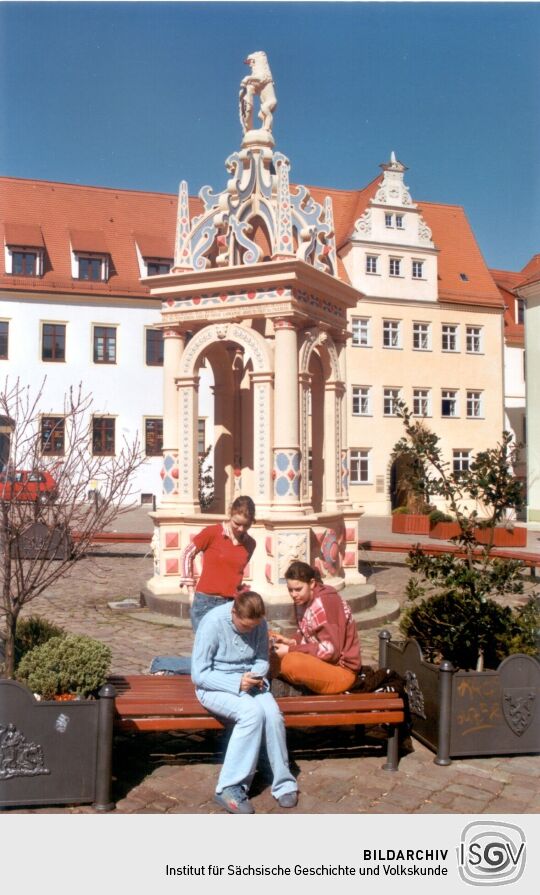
(154, 254)
(23, 250)
(89, 256)
(92, 267)
(157, 266)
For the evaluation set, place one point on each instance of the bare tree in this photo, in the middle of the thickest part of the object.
(43, 534)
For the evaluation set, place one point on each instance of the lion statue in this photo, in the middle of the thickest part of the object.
(258, 83)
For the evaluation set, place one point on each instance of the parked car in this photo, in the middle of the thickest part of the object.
(37, 485)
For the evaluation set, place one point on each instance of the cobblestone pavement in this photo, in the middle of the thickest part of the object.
(337, 772)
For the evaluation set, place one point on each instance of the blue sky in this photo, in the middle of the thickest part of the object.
(141, 95)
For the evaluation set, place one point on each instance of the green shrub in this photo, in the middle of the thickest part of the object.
(399, 511)
(70, 664)
(438, 516)
(31, 632)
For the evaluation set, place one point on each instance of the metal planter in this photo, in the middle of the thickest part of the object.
(468, 713)
(55, 753)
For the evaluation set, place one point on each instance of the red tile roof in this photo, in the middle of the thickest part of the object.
(122, 216)
(24, 235)
(506, 280)
(531, 272)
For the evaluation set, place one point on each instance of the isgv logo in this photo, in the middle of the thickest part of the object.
(491, 853)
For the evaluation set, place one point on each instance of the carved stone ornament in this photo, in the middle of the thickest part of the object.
(19, 757)
(362, 226)
(256, 208)
(518, 708)
(259, 83)
(416, 697)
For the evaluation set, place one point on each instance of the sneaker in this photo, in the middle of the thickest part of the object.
(288, 800)
(234, 800)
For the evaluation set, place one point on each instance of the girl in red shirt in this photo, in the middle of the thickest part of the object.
(226, 549)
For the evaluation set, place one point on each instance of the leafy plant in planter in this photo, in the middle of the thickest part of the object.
(454, 614)
(71, 664)
(33, 631)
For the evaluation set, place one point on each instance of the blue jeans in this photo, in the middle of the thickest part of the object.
(254, 716)
(171, 664)
(203, 603)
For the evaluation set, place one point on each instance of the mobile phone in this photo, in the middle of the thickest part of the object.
(257, 677)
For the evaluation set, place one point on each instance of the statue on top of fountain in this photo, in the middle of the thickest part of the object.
(258, 83)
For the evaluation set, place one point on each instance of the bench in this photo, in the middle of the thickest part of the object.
(146, 702)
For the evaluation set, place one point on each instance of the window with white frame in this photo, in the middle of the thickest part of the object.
(391, 334)
(461, 461)
(421, 336)
(371, 263)
(418, 270)
(449, 337)
(388, 220)
(92, 267)
(395, 267)
(390, 398)
(361, 331)
(360, 400)
(449, 402)
(23, 261)
(474, 339)
(399, 222)
(360, 472)
(474, 405)
(422, 402)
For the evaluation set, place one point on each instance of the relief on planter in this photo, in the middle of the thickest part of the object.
(518, 708)
(18, 756)
(414, 695)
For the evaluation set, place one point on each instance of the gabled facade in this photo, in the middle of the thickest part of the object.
(427, 326)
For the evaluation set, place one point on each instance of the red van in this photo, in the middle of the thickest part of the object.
(22, 485)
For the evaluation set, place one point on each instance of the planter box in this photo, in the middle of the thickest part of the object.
(55, 753)
(503, 537)
(444, 530)
(410, 524)
(468, 713)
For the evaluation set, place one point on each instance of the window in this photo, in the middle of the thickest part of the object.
(359, 467)
(310, 467)
(154, 347)
(201, 436)
(421, 402)
(360, 400)
(461, 461)
(154, 268)
(388, 220)
(421, 337)
(24, 264)
(521, 310)
(103, 429)
(361, 331)
(390, 396)
(391, 334)
(474, 404)
(4, 339)
(52, 435)
(53, 342)
(474, 339)
(153, 436)
(92, 267)
(399, 221)
(395, 267)
(449, 337)
(464, 277)
(104, 344)
(371, 263)
(417, 270)
(449, 402)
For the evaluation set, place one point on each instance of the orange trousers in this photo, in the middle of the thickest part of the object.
(319, 676)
